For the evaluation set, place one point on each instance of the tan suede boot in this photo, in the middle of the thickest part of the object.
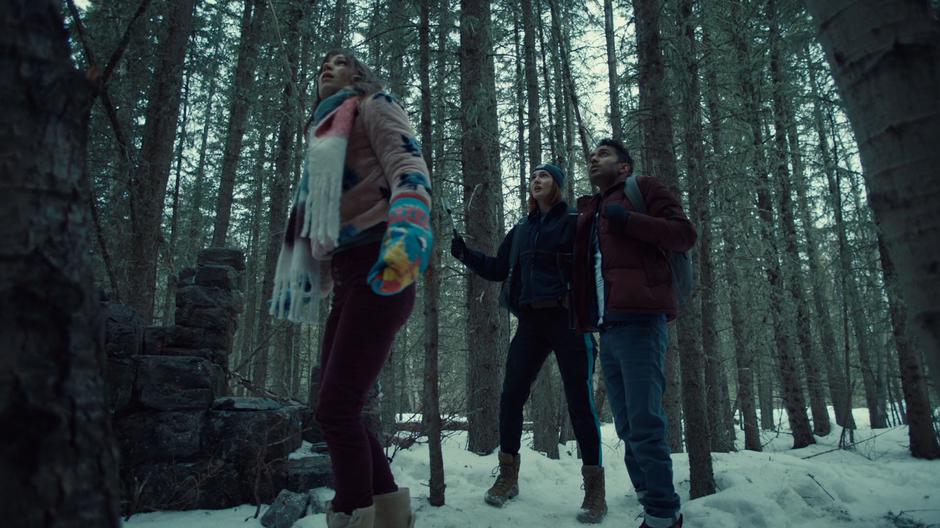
(594, 507)
(507, 483)
(360, 518)
(393, 510)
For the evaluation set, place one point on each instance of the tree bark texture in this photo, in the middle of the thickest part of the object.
(913, 380)
(58, 464)
(788, 372)
(701, 308)
(791, 258)
(744, 360)
(542, 408)
(531, 85)
(482, 196)
(660, 162)
(838, 381)
(280, 188)
(240, 101)
(885, 58)
(148, 186)
(431, 406)
(616, 123)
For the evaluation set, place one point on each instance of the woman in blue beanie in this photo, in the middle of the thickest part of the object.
(534, 264)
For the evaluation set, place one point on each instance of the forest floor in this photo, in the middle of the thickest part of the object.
(878, 484)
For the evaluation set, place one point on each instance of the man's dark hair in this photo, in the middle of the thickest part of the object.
(622, 153)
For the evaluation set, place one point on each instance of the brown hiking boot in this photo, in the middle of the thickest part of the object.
(507, 483)
(594, 507)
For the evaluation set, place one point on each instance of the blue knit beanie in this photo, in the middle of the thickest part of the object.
(557, 174)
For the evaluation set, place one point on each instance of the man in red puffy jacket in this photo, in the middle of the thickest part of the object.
(622, 287)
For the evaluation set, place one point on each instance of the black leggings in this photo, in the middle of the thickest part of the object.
(540, 332)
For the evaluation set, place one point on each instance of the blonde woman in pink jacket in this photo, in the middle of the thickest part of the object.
(360, 225)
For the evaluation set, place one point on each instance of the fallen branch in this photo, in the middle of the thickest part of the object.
(886, 431)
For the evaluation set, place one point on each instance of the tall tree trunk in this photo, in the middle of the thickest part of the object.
(340, 23)
(838, 382)
(885, 57)
(791, 392)
(521, 104)
(765, 395)
(819, 286)
(913, 381)
(280, 187)
(542, 407)
(431, 407)
(531, 85)
(672, 399)
(194, 236)
(58, 466)
(482, 210)
(698, 405)
(852, 299)
(148, 188)
(562, 42)
(616, 124)
(558, 129)
(170, 254)
(553, 127)
(701, 309)
(251, 314)
(660, 162)
(791, 267)
(240, 101)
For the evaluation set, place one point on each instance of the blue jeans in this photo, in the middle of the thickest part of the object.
(633, 354)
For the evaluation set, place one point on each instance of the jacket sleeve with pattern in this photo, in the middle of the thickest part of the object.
(394, 143)
(406, 247)
(665, 225)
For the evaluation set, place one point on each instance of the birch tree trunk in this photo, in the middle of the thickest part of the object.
(885, 58)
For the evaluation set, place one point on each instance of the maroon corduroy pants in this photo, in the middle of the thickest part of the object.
(356, 344)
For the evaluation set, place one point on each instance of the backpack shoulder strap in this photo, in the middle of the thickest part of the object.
(632, 189)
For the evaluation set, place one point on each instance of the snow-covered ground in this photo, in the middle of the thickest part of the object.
(876, 485)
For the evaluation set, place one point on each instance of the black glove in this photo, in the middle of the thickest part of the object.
(458, 248)
(617, 216)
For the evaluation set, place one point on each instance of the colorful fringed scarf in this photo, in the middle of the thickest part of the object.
(313, 224)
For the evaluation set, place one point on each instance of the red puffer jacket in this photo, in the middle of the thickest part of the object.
(637, 279)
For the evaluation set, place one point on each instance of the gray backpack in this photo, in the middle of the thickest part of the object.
(679, 262)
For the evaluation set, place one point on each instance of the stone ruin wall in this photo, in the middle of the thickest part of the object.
(183, 442)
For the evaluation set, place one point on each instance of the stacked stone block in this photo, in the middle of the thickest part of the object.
(185, 444)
